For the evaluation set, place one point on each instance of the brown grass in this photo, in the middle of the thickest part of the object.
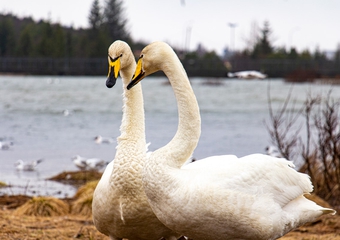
(44, 207)
(83, 203)
(76, 177)
(70, 226)
(63, 227)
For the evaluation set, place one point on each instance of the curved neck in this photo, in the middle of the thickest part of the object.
(183, 144)
(133, 123)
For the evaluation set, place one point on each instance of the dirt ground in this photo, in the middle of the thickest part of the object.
(71, 226)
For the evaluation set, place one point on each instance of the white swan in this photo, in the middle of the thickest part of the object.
(120, 208)
(222, 197)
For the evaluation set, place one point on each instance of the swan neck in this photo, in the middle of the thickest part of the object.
(181, 147)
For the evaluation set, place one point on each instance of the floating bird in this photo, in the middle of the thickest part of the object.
(248, 75)
(91, 164)
(27, 166)
(99, 139)
(220, 197)
(80, 162)
(67, 112)
(120, 208)
(273, 151)
(5, 145)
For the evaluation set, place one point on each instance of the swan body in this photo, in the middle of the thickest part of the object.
(220, 197)
(120, 207)
(27, 166)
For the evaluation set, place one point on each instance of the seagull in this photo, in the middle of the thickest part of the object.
(92, 164)
(273, 151)
(95, 164)
(27, 166)
(99, 139)
(80, 162)
(5, 145)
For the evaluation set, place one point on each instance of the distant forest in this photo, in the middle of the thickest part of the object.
(42, 47)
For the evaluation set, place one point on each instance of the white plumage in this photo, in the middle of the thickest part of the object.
(120, 208)
(99, 140)
(92, 164)
(220, 197)
(5, 145)
(27, 166)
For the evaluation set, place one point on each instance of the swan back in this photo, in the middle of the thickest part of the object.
(222, 197)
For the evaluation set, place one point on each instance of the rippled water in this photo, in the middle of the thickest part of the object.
(32, 107)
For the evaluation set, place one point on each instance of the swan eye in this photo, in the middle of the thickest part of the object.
(115, 59)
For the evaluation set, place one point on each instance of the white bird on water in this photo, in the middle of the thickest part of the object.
(273, 151)
(253, 197)
(27, 166)
(5, 145)
(91, 164)
(99, 139)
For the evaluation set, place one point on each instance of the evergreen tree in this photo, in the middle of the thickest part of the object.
(25, 45)
(337, 54)
(263, 46)
(45, 44)
(58, 41)
(95, 17)
(7, 38)
(114, 21)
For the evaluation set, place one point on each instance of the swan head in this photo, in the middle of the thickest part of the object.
(150, 61)
(119, 57)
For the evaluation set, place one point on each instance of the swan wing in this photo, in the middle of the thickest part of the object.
(253, 174)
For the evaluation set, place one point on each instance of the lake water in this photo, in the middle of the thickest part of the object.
(32, 117)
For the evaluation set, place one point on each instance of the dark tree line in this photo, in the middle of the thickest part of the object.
(27, 38)
(24, 37)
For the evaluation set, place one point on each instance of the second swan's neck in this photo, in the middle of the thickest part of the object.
(181, 147)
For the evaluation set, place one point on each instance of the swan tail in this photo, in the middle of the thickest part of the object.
(328, 211)
(306, 210)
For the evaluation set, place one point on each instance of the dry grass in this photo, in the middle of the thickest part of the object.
(44, 207)
(2, 184)
(78, 225)
(83, 203)
(63, 227)
(77, 177)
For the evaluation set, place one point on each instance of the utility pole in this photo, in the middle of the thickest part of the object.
(232, 36)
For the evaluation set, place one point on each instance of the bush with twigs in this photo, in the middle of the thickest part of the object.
(318, 147)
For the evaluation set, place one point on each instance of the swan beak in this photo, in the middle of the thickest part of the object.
(138, 76)
(114, 67)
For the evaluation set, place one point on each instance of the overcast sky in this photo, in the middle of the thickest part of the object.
(305, 24)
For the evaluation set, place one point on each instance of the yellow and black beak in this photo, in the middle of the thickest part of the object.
(139, 74)
(114, 67)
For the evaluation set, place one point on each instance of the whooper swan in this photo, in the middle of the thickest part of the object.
(223, 197)
(120, 207)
